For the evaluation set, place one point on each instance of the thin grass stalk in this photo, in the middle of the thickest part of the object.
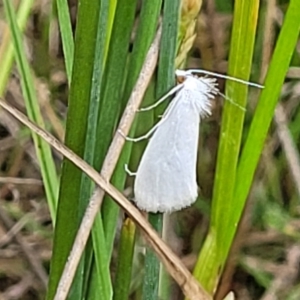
(7, 48)
(65, 26)
(43, 150)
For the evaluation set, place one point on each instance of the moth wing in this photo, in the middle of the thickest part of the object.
(166, 176)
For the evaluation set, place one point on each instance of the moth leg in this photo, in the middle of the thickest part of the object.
(130, 173)
(140, 138)
(163, 118)
(171, 92)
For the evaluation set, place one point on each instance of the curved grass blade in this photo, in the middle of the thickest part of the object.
(43, 150)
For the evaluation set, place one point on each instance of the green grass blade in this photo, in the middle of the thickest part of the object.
(107, 15)
(242, 45)
(104, 289)
(124, 263)
(66, 35)
(69, 214)
(168, 48)
(144, 36)
(6, 48)
(101, 283)
(114, 76)
(240, 60)
(43, 150)
(278, 68)
(112, 101)
(152, 263)
(108, 116)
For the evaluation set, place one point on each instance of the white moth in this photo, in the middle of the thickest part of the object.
(166, 177)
